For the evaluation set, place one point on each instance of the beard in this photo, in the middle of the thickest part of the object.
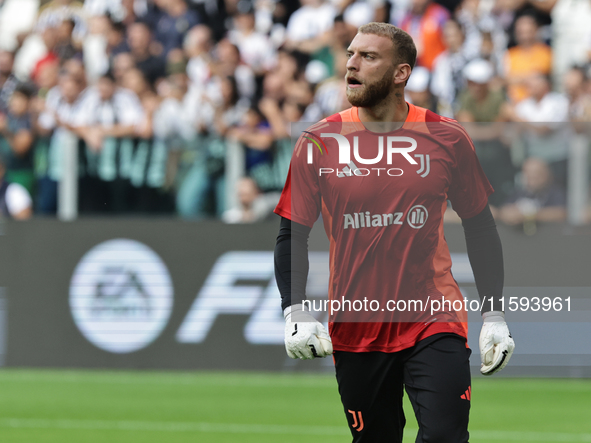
(372, 93)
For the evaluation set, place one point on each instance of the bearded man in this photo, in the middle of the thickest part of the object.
(400, 324)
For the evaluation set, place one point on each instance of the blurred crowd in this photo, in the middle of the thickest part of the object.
(156, 93)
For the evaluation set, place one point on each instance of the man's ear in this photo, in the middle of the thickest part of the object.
(402, 73)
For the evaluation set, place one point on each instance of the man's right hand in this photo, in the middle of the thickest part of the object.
(305, 337)
(496, 343)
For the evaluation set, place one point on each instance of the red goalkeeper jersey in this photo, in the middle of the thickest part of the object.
(382, 197)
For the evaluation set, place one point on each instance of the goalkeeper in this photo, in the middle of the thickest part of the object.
(387, 243)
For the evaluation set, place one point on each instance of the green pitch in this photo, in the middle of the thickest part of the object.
(39, 406)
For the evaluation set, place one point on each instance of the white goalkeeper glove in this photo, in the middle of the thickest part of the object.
(496, 343)
(305, 337)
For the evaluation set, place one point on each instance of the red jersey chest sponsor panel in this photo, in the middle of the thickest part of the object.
(382, 197)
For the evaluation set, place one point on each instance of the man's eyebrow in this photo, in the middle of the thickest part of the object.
(349, 51)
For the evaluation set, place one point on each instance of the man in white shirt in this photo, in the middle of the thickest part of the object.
(109, 112)
(307, 29)
(543, 117)
(62, 108)
(255, 48)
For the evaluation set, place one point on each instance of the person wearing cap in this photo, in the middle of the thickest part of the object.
(417, 89)
(479, 103)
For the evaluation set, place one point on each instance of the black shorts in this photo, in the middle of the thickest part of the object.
(436, 376)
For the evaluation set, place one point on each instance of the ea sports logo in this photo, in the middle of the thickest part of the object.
(121, 295)
(417, 216)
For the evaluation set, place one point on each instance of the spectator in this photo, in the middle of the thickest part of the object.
(471, 17)
(95, 47)
(528, 57)
(571, 36)
(174, 24)
(515, 9)
(111, 8)
(359, 12)
(41, 42)
(16, 22)
(116, 43)
(64, 47)
(254, 206)
(281, 14)
(330, 95)
(448, 79)
(255, 48)
(539, 199)
(418, 91)
(288, 66)
(542, 119)
(308, 27)
(490, 52)
(173, 118)
(228, 63)
(16, 129)
(33, 49)
(274, 86)
(109, 112)
(201, 194)
(47, 77)
(54, 12)
(579, 109)
(175, 124)
(62, 109)
(50, 58)
(255, 135)
(15, 200)
(485, 34)
(214, 13)
(122, 63)
(229, 112)
(424, 22)
(198, 44)
(478, 103)
(480, 109)
(139, 39)
(75, 68)
(109, 118)
(8, 80)
(130, 16)
(302, 93)
(287, 58)
(281, 118)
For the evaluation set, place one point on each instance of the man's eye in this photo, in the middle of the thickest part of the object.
(369, 57)
(349, 55)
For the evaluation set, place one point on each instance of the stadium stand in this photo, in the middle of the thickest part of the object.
(174, 103)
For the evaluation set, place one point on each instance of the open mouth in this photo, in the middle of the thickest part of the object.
(353, 81)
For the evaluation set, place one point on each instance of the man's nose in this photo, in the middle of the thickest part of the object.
(352, 63)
